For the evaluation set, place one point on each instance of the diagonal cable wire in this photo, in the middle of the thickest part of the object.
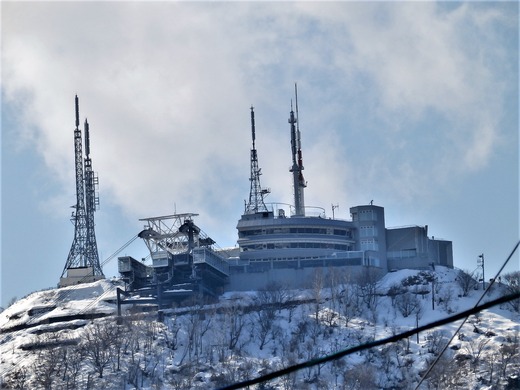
(465, 319)
(83, 280)
(377, 343)
(463, 315)
(66, 294)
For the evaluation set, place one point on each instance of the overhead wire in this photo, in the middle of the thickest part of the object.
(84, 279)
(465, 319)
(377, 343)
(264, 378)
(462, 315)
(67, 293)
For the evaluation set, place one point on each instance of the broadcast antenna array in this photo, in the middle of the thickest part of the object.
(299, 182)
(256, 193)
(83, 255)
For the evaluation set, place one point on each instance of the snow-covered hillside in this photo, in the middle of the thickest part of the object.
(70, 338)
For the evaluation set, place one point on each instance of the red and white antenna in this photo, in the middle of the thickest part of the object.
(297, 168)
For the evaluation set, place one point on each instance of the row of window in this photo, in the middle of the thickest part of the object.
(284, 245)
(367, 231)
(369, 245)
(296, 230)
(364, 215)
(267, 265)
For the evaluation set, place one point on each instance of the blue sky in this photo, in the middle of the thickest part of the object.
(412, 105)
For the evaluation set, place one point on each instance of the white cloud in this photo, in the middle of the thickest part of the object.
(167, 89)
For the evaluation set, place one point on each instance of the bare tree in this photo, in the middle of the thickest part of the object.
(299, 335)
(193, 324)
(288, 359)
(390, 363)
(419, 311)
(443, 373)
(508, 353)
(436, 341)
(98, 345)
(367, 282)
(120, 336)
(394, 291)
(50, 361)
(217, 350)
(333, 281)
(171, 333)
(274, 294)
(236, 321)
(132, 340)
(407, 303)
(512, 283)
(360, 377)
(318, 283)
(233, 371)
(290, 304)
(444, 297)
(18, 378)
(474, 348)
(467, 281)
(48, 368)
(262, 326)
(349, 299)
(312, 350)
(133, 372)
(73, 367)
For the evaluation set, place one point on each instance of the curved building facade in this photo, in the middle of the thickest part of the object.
(287, 246)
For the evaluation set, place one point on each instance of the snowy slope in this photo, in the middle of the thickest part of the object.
(69, 338)
(47, 305)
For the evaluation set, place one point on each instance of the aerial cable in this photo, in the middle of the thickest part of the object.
(377, 343)
(119, 250)
(98, 299)
(33, 320)
(465, 319)
(84, 279)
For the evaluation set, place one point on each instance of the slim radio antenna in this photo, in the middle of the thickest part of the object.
(297, 115)
(297, 168)
(256, 193)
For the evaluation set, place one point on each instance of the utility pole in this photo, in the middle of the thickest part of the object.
(433, 293)
(480, 262)
(433, 284)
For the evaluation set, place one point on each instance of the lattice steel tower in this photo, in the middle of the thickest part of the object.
(91, 205)
(256, 193)
(83, 253)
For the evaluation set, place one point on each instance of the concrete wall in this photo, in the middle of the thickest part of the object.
(409, 263)
(410, 247)
(79, 275)
(369, 221)
(442, 251)
(290, 278)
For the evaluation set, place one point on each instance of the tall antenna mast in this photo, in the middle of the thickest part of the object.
(76, 256)
(83, 252)
(256, 193)
(91, 205)
(299, 182)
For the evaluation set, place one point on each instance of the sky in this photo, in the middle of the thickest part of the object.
(411, 105)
